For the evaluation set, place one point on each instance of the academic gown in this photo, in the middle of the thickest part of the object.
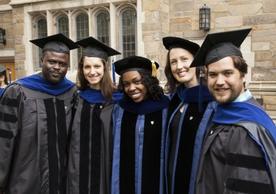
(239, 152)
(190, 113)
(90, 155)
(138, 156)
(35, 116)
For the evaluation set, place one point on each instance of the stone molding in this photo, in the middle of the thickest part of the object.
(20, 2)
(263, 86)
(5, 8)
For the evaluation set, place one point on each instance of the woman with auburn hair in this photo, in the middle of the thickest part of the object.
(91, 142)
(190, 111)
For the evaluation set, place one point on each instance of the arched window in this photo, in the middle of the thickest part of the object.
(41, 28)
(63, 25)
(103, 21)
(128, 27)
(82, 28)
(41, 32)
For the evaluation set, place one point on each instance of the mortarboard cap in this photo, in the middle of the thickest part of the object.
(175, 42)
(57, 43)
(135, 63)
(219, 45)
(94, 48)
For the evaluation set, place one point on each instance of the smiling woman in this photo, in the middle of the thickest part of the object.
(139, 121)
(133, 86)
(89, 168)
(190, 111)
(93, 71)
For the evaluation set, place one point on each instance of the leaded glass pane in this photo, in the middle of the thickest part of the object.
(63, 25)
(103, 27)
(41, 32)
(82, 29)
(129, 32)
(41, 28)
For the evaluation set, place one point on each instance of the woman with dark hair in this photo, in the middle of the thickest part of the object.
(3, 79)
(190, 111)
(91, 142)
(139, 121)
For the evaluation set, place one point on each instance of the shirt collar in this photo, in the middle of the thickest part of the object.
(246, 95)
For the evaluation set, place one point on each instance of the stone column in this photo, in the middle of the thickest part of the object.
(155, 25)
(19, 42)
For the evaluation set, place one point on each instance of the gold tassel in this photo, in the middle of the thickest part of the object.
(153, 69)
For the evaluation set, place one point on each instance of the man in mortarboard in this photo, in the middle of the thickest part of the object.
(35, 113)
(3, 79)
(238, 154)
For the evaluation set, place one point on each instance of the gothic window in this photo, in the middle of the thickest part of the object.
(63, 25)
(82, 28)
(103, 26)
(41, 32)
(41, 28)
(128, 27)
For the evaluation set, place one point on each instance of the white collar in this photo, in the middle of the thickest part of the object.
(244, 96)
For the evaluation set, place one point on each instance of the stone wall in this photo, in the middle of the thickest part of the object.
(6, 23)
(4, 2)
(265, 92)
(19, 41)
(235, 14)
(155, 26)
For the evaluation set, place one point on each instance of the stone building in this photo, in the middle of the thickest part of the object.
(137, 27)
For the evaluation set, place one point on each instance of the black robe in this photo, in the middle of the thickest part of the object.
(138, 156)
(33, 140)
(91, 144)
(188, 120)
(238, 157)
